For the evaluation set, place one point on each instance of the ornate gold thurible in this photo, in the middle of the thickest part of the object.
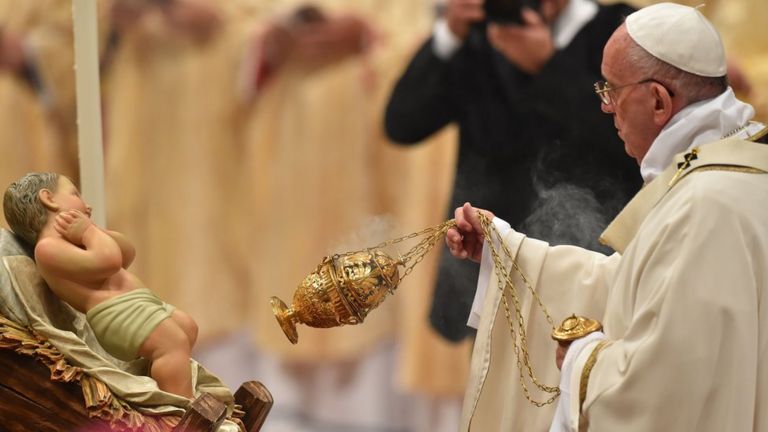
(575, 327)
(344, 288)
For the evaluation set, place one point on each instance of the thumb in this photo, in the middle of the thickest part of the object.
(473, 218)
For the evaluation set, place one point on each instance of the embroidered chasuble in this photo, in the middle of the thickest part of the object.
(684, 308)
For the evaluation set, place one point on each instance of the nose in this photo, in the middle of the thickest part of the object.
(88, 210)
(606, 108)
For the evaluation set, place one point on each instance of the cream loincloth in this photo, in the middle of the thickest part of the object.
(121, 324)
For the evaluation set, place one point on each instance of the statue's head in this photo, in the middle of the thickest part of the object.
(23, 207)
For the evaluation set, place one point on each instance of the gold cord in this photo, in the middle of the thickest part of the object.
(521, 345)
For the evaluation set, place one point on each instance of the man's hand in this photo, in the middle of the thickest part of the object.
(465, 241)
(529, 47)
(460, 14)
(562, 350)
(126, 14)
(11, 51)
(72, 225)
(333, 39)
(196, 18)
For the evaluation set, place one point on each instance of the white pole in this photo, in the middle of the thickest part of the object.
(89, 139)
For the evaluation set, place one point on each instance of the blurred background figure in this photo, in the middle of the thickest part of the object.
(257, 127)
(522, 96)
(317, 160)
(37, 106)
(171, 114)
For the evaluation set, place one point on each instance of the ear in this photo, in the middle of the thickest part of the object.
(46, 197)
(663, 108)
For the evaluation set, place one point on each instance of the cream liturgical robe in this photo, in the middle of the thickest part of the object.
(685, 309)
(37, 112)
(323, 179)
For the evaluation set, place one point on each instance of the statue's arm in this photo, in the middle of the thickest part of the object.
(99, 258)
(126, 247)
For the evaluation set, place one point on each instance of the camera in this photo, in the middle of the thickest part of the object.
(508, 11)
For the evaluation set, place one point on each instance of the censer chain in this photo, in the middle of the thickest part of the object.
(416, 254)
(504, 280)
(432, 235)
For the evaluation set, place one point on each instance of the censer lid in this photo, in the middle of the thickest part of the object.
(575, 327)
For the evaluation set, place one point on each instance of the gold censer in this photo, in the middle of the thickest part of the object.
(344, 288)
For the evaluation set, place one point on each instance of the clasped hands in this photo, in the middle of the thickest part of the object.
(313, 38)
(72, 225)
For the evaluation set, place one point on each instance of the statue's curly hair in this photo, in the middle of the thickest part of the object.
(22, 207)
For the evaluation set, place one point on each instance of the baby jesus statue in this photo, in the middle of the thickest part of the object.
(86, 267)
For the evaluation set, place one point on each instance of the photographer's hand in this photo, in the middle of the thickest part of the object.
(528, 46)
(460, 14)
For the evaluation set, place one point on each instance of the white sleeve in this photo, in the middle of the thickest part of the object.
(566, 419)
(486, 267)
(444, 42)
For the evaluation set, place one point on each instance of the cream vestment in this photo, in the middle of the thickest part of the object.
(684, 312)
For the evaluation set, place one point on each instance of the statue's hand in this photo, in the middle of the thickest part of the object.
(72, 225)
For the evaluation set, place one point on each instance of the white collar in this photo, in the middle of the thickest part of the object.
(571, 20)
(699, 123)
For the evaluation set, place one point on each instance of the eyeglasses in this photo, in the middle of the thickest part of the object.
(603, 89)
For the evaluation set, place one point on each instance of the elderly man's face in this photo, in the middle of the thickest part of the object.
(632, 105)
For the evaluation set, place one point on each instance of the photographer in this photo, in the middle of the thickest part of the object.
(521, 95)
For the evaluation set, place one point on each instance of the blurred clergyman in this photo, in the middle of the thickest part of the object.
(529, 128)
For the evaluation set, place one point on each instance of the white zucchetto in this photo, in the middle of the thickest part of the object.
(681, 36)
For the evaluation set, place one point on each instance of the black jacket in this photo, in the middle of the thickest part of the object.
(535, 150)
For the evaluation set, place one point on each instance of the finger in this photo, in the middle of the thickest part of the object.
(503, 38)
(58, 221)
(472, 14)
(461, 220)
(64, 217)
(59, 228)
(531, 18)
(507, 32)
(452, 237)
(470, 9)
(469, 3)
(472, 218)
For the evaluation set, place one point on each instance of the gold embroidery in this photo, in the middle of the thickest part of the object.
(731, 168)
(763, 132)
(584, 381)
(682, 166)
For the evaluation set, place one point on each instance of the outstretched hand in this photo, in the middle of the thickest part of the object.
(72, 225)
(465, 240)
